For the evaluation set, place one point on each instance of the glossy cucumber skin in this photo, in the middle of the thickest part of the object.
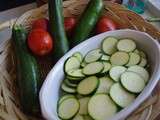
(56, 22)
(28, 77)
(87, 21)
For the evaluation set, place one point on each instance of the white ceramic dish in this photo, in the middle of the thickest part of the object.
(49, 93)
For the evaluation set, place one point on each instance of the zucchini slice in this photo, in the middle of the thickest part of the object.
(78, 55)
(116, 72)
(71, 63)
(142, 54)
(93, 56)
(126, 45)
(78, 117)
(132, 82)
(67, 89)
(109, 45)
(141, 71)
(83, 64)
(63, 109)
(134, 59)
(68, 83)
(105, 58)
(119, 58)
(136, 51)
(101, 107)
(107, 67)
(87, 117)
(74, 80)
(93, 68)
(105, 84)
(120, 96)
(76, 73)
(64, 97)
(88, 85)
(79, 96)
(143, 62)
(84, 105)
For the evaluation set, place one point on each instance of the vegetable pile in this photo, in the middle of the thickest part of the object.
(106, 79)
(54, 37)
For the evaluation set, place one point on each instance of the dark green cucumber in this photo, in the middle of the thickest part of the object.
(28, 78)
(56, 22)
(87, 21)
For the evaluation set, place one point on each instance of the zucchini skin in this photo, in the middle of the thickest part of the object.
(57, 31)
(87, 21)
(28, 77)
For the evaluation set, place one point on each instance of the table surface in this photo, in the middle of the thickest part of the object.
(16, 12)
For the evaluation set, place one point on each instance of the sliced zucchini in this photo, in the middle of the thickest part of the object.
(126, 45)
(88, 85)
(134, 59)
(84, 105)
(79, 96)
(132, 82)
(74, 80)
(67, 89)
(93, 56)
(70, 84)
(65, 97)
(143, 62)
(119, 58)
(93, 68)
(87, 117)
(109, 45)
(78, 117)
(76, 73)
(142, 54)
(107, 67)
(71, 63)
(78, 55)
(63, 109)
(120, 96)
(116, 72)
(105, 58)
(105, 84)
(83, 64)
(136, 51)
(141, 71)
(101, 107)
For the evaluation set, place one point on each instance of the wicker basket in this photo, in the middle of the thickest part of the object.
(9, 105)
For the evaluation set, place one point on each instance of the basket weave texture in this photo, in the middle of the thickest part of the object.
(9, 105)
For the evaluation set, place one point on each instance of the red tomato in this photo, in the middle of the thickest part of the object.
(40, 23)
(105, 24)
(69, 23)
(40, 42)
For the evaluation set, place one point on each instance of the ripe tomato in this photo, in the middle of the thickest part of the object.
(40, 42)
(40, 23)
(105, 24)
(69, 23)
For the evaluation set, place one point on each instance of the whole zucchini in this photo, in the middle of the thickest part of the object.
(27, 70)
(87, 21)
(56, 22)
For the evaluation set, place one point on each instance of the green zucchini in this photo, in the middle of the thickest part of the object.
(87, 21)
(132, 81)
(88, 85)
(28, 74)
(120, 96)
(68, 108)
(101, 107)
(56, 22)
